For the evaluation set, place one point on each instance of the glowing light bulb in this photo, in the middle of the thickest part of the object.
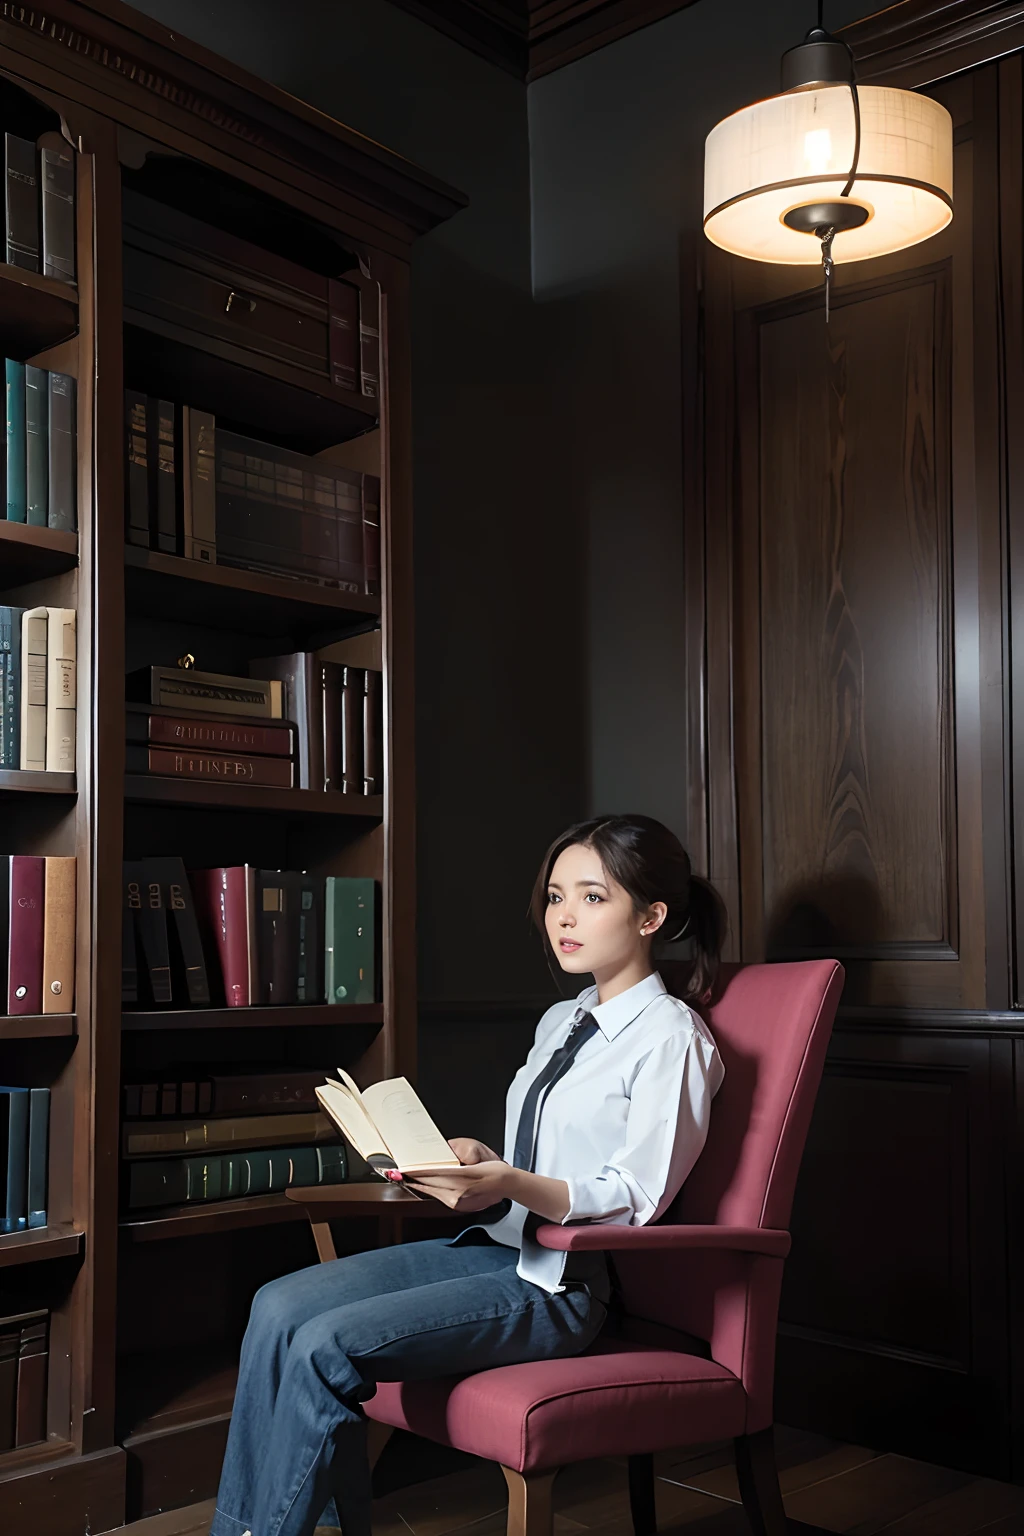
(818, 151)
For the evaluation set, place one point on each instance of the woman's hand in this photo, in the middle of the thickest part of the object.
(473, 1187)
(469, 1151)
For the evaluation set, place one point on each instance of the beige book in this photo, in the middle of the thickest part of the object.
(387, 1124)
(61, 691)
(33, 689)
(59, 935)
(160, 1138)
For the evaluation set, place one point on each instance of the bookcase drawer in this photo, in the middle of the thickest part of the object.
(210, 287)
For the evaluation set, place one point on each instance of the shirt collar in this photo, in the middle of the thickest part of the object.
(613, 1016)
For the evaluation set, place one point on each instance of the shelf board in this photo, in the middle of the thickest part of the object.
(36, 1026)
(150, 789)
(28, 554)
(220, 597)
(166, 1389)
(258, 396)
(23, 781)
(216, 1216)
(313, 1015)
(35, 311)
(52, 1242)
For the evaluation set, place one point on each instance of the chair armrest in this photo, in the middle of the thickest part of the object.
(608, 1236)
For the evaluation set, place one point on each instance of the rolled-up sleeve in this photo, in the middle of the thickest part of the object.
(666, 1128)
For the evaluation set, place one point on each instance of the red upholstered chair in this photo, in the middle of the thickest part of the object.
(693, 1358)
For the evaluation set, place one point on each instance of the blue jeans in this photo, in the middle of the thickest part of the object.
(319, 1340)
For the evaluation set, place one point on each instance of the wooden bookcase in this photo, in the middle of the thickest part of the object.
(147, 1311)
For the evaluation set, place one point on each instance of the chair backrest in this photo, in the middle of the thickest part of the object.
(772, 1024)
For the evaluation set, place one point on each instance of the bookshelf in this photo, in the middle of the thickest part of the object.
(147, 1308)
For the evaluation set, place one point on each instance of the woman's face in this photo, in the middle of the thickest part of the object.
(590, 920)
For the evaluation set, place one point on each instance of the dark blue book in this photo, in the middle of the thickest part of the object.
(14, 1143)
(63, 462)
(10, 687)
(37, 445)
(17, 506)
(38, 1154)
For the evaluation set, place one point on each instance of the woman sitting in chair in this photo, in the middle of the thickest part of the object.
(603, 1123)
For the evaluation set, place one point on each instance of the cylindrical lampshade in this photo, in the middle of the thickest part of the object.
(798, 148)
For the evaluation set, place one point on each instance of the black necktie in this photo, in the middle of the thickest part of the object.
(533, 1104)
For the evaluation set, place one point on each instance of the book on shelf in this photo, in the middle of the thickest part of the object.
(278, 899)
(387, 1124)
(231, 1175)
(183, 728)
(39, 447)
(369, 339)
(57, 173)
(343, 337)
(338, 711)
(22, 182)
(144, 896)
(10, 687)
(45, 693)
(23, 1376)
(59, 906)
(14, 1124)
(199, 487)
(350, 948)
(33, 689)
(164, 477)
(373, 732)
(37, 1180)
(136, 479)
(257, 1091)
(302, 701)
(188, 972)
(371, 534)
(309, 895)
(208, 692)
(178, 763)
(37, 933)
(166, 1137)
(130, 899)
(226, 898)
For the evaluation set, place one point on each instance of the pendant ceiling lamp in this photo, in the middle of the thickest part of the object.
(828, 169)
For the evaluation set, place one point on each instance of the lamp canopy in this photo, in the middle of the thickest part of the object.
(870, 167)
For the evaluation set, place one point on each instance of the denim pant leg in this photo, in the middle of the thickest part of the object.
(418, 1310)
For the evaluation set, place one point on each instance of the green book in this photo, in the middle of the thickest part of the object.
(351, 940)
(231, 1175)
(16, 504)
(37, 444)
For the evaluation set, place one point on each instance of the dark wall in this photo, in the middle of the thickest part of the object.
(500, 747)
(617, 157)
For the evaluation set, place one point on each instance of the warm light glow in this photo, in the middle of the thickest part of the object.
(798, 148)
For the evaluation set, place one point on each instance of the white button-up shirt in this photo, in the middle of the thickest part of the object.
(625, 1124)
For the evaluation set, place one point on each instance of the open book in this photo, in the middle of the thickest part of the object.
(387, 1124)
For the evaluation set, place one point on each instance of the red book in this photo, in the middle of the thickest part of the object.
(168, 762)
(228, 899)
(211, 733)
(25, 967)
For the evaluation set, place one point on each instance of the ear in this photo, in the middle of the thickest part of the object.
(653, 918)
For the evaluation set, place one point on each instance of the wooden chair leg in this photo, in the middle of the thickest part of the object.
(377, 1437)
(759, 1483)
(529, 1502)
(641, 1495)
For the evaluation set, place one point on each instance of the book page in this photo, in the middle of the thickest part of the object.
(349, 1115)
(414, 1140)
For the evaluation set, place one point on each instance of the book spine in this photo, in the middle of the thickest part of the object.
(371, 533)
(278, 940)
(17, 509)
(151, 918)
(302, 703)
(213, 735)
(10, 1341)
(265, 1092)
(231, 896)
(332, 686)
(57, 164)
(344, 342)
(183, 447)
(38, 1154)
(33, 689)
(310, 896)
(176, 688)
(5, 925)
(15, 1217)
(188, 962)
(350, 950)
(130, 904)
(268, 772)
(30, 1414)
(156, 1138)
(25, 960)
(369, 339)
(154, 1184)
(352, 731)
(332, 1164)
(165, 489)
(10, 687)
(373, 733)
(136, 419)
(59, 934)
(61, 690)
(37, 438)
(351, 540)
(22, 203)
(62, 512)
(202, 487)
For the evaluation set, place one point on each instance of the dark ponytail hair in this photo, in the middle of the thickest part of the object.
(651, 864)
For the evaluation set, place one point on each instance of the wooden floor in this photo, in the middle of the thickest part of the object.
(827, 1487)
